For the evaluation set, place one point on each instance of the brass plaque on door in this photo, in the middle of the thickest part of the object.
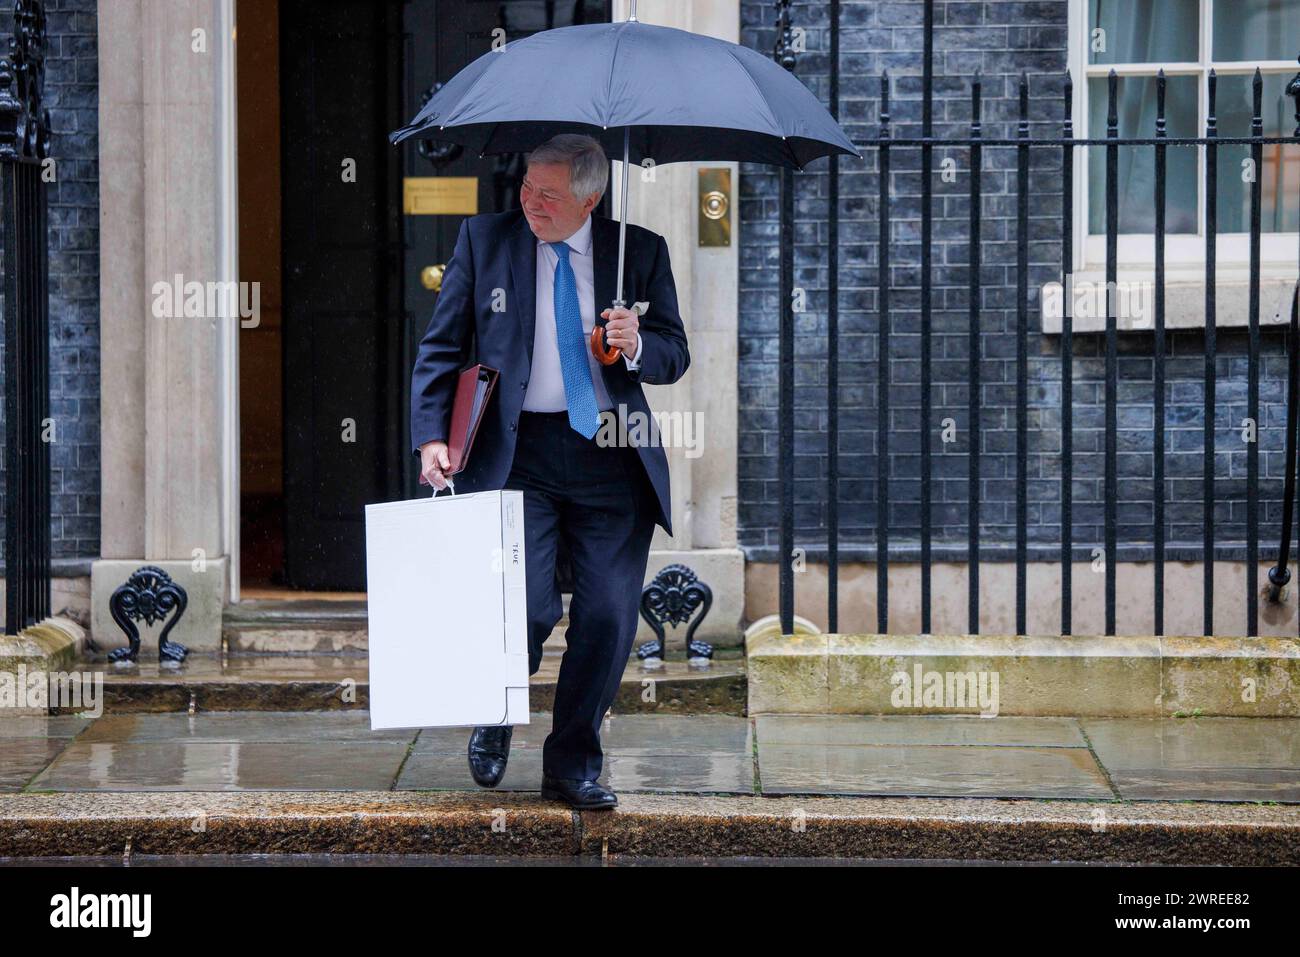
(714, 205)
(440, 195)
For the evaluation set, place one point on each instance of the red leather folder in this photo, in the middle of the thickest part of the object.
(473, 389)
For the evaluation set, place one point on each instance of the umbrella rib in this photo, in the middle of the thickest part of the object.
(763, 99)
(609, 80)
(487, 69)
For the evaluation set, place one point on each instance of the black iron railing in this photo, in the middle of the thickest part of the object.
(880, 152)
(24, 150)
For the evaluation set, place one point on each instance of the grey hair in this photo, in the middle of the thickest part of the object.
(588, 167)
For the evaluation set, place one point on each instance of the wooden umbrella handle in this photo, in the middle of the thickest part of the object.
(605, 356)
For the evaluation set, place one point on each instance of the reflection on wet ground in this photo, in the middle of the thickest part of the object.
(1202, 759)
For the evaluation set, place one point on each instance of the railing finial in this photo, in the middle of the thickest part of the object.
(1293, 91)
(24, 120)
(783, 52)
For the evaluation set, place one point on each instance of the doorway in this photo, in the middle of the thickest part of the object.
(349, 266)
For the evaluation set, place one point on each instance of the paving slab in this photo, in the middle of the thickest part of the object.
(439, 771)
(918, 729)
(455, 741)
(287, 727)
(625, 733)
(242, 726)
(1200, 759)
(677, 734)
(669, 773)
(222, 766)
(716, 773)
(1125, 743)
(961, 771)
(28, 743)
(694, 754)
(1205, 759)
(917, 754)
(1202, 784)
(22, 759)
(42, 726)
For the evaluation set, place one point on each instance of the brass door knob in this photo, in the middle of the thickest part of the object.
(431, 277)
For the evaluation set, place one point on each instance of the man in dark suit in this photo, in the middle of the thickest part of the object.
(521, 294)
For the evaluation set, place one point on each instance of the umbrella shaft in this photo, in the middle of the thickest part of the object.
(622, 219)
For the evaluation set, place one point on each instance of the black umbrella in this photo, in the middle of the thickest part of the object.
(646, 91)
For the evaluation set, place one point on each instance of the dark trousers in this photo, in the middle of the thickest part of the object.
(598, 499)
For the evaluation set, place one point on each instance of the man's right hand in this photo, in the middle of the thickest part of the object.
(434, 463)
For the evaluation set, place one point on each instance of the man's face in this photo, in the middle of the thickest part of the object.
(552, 211)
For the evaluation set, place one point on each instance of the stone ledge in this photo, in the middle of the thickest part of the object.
(50, 645)
(54, 641)
(285, 822)
(946, 829)
(209, 682)
(1082, 676)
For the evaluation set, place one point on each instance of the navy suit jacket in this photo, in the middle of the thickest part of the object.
(496, 254)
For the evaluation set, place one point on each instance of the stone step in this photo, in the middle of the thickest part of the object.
(1072, 675)
(307, 626)
(314, 626)
(339, 626)
(645, 826)
(251, 682)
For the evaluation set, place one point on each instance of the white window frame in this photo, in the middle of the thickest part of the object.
(1184, 253)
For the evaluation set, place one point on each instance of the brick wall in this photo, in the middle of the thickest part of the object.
(1001, 39)
(71, 94)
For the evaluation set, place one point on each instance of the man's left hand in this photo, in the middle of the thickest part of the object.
(621, 329)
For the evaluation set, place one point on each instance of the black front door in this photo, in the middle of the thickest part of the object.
(339, 62)
(443, 36)
(360, 277)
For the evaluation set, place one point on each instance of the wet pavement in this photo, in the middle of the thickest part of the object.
(1186, 759)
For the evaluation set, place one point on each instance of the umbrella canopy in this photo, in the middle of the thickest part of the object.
(644, 92)
(678, 96)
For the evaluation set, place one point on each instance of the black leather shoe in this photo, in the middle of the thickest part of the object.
(489, 748)
(583, 794)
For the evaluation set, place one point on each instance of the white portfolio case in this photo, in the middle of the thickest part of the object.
(448, 611)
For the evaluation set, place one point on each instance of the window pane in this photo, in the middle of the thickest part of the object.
(1279, 176)
(1136, 180)
(1256, 30)
(1143, 31)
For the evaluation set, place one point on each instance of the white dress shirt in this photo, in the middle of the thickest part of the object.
(545, 391)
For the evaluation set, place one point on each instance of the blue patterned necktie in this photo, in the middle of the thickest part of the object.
(578, 390)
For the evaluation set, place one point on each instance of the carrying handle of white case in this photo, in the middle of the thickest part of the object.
(450, 484)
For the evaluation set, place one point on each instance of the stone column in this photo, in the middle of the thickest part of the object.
(703, 481)
(162, 400)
